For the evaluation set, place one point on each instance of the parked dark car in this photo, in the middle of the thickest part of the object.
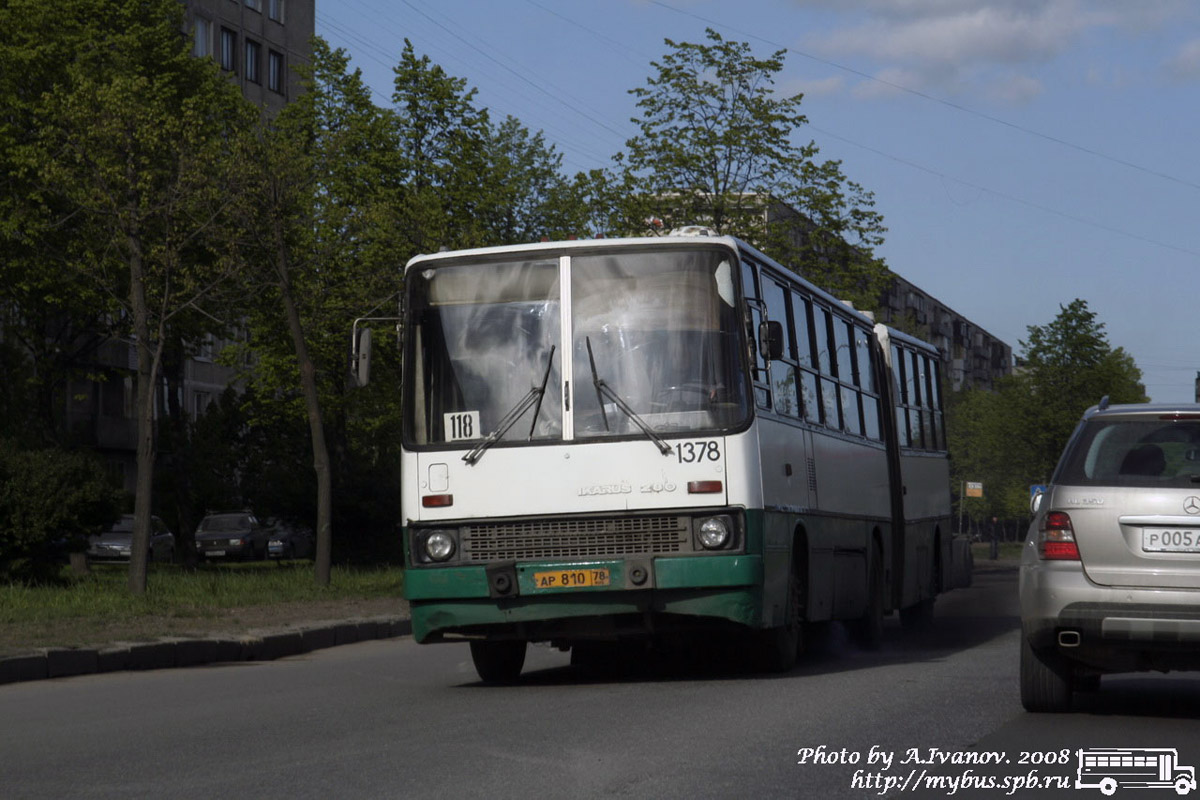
(232, 534)
(116, 543)
(290, 541)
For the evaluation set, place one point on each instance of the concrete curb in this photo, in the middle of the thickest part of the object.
(67, 662)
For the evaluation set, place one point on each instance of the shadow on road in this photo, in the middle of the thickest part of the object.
(963, 619)
(1133, 695)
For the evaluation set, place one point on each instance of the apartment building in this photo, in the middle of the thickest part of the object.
(258, 42)
(971, 357)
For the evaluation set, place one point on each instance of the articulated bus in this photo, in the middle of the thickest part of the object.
(647, 438)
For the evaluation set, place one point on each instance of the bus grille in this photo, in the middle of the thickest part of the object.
(576, 538)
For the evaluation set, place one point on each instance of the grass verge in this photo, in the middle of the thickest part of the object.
(217, 598)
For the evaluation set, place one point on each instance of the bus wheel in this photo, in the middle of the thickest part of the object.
(1045, 681)
(780, 647)
(498, 661)
(867, 630)
(1182, 786)
(1108, 787)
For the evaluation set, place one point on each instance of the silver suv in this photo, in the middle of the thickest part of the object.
(1110, 574)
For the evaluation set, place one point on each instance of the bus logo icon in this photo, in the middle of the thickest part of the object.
(1108, 769)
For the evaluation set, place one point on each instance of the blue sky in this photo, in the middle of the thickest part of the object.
(1023, 153)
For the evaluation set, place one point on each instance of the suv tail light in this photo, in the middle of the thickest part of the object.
(1058, 538)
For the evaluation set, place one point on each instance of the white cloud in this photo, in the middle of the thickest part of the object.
(1185, 64)
(1016, 90)
(988, 46)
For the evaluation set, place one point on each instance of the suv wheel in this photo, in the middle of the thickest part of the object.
(1045, 680)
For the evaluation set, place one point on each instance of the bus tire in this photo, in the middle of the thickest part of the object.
(867, 630)
(1045, 681)
(498, 662)
(779, 648)
(1108, 787)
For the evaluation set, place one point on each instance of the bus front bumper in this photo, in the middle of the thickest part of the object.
(611, 597)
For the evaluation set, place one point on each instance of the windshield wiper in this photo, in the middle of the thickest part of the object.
(603, 390)
(534, 395)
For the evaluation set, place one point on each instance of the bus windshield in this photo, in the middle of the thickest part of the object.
(661, 328)
(661, 324)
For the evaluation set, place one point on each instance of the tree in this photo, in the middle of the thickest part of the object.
(443, 148)
(1013, 437)
(53, 324)
(715, 147)
(133, 142)
(319, 213)
(49, 501)
(523, 186)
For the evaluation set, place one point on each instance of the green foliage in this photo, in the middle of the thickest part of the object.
(50, 501)
(132, 153)
(716, 148)
(1011, 438)
(146, 201)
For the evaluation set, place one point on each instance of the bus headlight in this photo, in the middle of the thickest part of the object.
(714, 533)
(439, 546)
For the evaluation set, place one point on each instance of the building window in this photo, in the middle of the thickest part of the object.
(202, 37)
(253, 56)
(228, 50)
(255, 4)
(275, 71)
(275, 10)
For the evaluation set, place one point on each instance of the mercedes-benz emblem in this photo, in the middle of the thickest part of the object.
(1192, 505)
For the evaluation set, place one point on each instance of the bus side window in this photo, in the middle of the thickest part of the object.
(802, 315)
(929, 417)
(915, 401)
(939, 416)
(802, 319)
(822, 334)
(900, 370)
(758, 362)
(784, 393)
(864, 378)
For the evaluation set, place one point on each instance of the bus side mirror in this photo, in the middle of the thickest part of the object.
(360, 358)
(770, 340)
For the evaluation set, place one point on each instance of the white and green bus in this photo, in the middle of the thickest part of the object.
(641, 439)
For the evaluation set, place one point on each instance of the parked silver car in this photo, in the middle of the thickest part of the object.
(1110, 574)
(116, 543)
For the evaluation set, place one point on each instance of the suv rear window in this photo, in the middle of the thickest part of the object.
(1145, 452)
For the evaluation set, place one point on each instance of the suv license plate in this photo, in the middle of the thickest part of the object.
(1165, 540)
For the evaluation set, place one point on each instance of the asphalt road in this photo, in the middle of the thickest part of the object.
(392, 719)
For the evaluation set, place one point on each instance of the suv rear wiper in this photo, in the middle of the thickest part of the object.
(534, 395)
(603, 390)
